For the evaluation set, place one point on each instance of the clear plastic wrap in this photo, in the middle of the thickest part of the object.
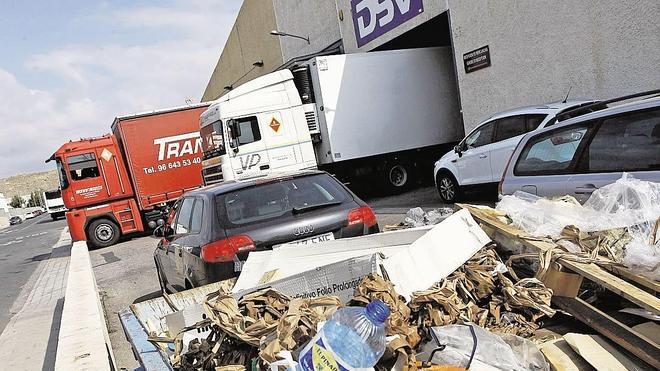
(492, 352)
(417, 217)
(628, 203)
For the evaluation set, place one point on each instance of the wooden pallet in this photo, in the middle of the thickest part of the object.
(621, 281)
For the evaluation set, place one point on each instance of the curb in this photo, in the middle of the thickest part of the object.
(83, 341)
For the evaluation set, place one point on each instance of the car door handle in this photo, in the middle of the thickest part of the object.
(172, 246)
(482, 156)
(585, 189)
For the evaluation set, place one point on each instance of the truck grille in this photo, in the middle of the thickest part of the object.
(212, 175)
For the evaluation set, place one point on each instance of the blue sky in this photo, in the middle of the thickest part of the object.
(67, 68)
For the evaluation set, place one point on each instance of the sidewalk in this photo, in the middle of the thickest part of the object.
(29, 342)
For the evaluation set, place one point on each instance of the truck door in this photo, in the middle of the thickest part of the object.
(247, 151)
(87, 185)
(281, 140)
(111, 171)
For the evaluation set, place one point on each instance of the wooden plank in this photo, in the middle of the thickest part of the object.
(634, 342)
(626, 273)
(599, 353)
(562, 357)
(590, 271)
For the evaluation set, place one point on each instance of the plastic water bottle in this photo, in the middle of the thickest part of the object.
(354, 337)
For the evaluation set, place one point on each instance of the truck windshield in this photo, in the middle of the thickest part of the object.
(61, 172)
(213, 142)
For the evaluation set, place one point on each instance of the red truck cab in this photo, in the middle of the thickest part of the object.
(124, 182)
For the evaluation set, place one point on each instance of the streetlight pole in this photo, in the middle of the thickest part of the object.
(280, 33)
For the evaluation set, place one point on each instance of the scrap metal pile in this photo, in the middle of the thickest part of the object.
(266, 322)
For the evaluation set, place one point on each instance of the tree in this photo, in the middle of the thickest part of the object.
(16, 202)
(35, 199)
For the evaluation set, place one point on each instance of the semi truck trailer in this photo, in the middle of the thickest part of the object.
(54, 204)
(388, 114)
(124, 182)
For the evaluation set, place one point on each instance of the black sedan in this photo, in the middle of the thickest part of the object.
(15, 220)
(210, 231)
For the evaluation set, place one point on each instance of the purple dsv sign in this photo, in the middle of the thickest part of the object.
(372, 18)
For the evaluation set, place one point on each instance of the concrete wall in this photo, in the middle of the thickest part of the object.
(299, 17)
(249, 41)
(430, 9)
(602, 48)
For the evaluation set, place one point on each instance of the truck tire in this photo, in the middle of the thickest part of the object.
(448, 187)
(53, 216)
(398, 176)
(102, 233)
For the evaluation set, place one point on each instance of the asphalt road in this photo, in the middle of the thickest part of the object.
(22, 247)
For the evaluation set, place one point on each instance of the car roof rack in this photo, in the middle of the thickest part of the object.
(601, 105)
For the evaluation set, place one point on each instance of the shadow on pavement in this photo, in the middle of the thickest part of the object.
(150, 296)
(51, 349)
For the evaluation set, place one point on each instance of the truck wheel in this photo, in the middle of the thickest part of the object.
(398, 176)
(448, 187)
(53, 216)
(103, 233)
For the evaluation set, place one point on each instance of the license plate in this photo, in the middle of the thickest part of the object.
(238, 264)
(315, 239)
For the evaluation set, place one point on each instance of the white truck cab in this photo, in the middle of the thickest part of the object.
(244, 137)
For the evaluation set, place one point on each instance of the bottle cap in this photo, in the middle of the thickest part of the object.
(377, 311)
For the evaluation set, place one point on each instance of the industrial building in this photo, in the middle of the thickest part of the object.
(506, 53)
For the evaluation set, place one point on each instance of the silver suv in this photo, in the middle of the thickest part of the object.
(588, 148)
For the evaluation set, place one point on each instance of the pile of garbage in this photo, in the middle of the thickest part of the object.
(264, 323)
(619, 221)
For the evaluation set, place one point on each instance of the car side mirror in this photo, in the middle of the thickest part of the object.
(163, 231)
(458, 150)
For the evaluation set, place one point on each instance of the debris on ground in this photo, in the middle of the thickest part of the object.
(471, 347)
(417, 217)
(619, 221)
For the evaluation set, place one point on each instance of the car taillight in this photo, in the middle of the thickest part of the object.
(224, 250)
(362, 215)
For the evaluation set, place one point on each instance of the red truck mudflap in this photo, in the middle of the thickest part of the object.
(124, 213)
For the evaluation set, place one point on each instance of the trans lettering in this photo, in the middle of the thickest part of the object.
(178, 145)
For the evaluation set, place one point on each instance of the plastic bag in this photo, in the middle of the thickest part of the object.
(492, 351)
(627, 203)
(417, 217)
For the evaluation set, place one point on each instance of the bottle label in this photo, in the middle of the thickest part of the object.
(318, 357)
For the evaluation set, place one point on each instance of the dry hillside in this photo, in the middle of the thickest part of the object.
(24, 184)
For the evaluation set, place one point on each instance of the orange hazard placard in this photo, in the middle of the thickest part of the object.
(275, 125)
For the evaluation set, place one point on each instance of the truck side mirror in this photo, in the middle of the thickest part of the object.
(234, 128)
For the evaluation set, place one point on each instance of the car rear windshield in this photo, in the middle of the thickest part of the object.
(275, 199)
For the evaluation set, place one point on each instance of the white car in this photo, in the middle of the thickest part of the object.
(479, 159)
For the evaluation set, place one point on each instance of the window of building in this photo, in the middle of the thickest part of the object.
(625, 143)
(249, 127)
(83, 166)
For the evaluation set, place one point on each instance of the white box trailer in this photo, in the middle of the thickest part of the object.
(389, 112)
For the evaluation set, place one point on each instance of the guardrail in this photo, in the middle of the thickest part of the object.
(83, 342)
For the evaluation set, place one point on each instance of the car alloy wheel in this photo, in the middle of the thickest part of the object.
(447, 188)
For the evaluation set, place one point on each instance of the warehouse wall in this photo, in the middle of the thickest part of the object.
(249, 41)
(539, 48)
(318, 22)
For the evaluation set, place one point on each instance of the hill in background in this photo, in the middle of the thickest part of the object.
(24, 184)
